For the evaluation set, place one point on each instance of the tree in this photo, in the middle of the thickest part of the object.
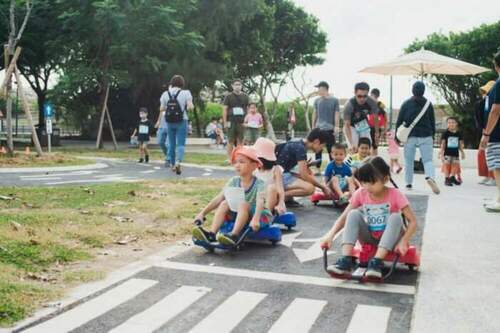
(304, 97)
(281, 37)
(462, 92)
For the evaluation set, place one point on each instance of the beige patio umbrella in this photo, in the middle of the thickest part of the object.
(423, 62)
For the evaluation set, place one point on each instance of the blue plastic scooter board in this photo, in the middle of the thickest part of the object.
(271, 234)
(287, 219)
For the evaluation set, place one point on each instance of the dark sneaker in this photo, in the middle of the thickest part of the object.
(409, 187)
(167, 164)
(374, 269)
(201, 234)
(146, 159)
(292, 203)
(141, 160)
(227, 239)
(344, 265)
(455, 180)
(178, 168)
(448, 181)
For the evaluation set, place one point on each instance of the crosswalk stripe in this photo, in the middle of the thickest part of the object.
(369, 318)
(227, 315)
(87, 311)
(299, 316)
(162, 311)
(289, 278)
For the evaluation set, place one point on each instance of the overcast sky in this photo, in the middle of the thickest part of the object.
(363, 33)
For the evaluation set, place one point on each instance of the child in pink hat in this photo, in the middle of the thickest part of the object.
(271, 174)
(251, 210)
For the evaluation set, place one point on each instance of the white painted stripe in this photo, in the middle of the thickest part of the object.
(299, 316)
(157, 168)
(206, 174)
(369, 318)
(148, 171)
(110, 176)
(87, 311)
(52, 169)
(227, 315)
(281, 277)
(162, 311)
(74, 173)
(40, 178)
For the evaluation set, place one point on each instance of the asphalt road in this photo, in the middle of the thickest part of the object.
(110, 171)
(258, 289)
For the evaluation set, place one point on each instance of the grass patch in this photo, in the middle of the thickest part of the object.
(46, 234)
(206, 159)
(47, 160)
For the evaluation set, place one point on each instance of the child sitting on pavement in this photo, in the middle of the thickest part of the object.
(271, 174)
(364, 151)
(338, 175)
(452, 148)
(373, 216)
(252, 210)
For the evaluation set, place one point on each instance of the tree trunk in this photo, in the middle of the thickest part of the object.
(41, 114)
(306, 115)
(197, 118)
(8, 104)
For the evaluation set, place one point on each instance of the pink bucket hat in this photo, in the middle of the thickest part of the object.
(265, 149)
(246, 151)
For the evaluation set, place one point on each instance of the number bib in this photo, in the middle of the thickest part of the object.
(253, 124)
(376, 216)
(237, 111)
(453, 142)
(362, 126)
(143, 129)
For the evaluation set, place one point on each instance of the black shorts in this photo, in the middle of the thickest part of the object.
(372, 136)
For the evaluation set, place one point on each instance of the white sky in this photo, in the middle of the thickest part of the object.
(363, 33)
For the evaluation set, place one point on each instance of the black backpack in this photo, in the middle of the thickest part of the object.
(174, 112)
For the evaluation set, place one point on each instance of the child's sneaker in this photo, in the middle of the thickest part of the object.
(343, 266)
(344, 200)
(448, 181)
(146, 159)
(455, 180)
(374, 269)
(493, 207)
(141, 160)
(227, 239)
(491, 182)
(409, 186)
(201, 234)
(177, 168)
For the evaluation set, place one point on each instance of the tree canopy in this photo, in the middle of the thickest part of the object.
(462, 92)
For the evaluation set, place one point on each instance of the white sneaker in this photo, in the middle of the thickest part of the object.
(491, 182)
(493, 207)
(434, 187)
(484, 181)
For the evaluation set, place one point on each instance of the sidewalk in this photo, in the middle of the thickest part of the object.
(460, 273)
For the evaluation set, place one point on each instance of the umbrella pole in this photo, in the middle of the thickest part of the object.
(390, 103)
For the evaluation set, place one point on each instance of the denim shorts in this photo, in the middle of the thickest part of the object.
(288, 179)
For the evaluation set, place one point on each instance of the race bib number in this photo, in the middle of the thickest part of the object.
(453, 142)
(362, 126)
(377, 216)
(237, 111)
(253, 124)
(143, 129)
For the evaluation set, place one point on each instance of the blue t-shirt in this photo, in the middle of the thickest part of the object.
(493, 98)
(340, 171)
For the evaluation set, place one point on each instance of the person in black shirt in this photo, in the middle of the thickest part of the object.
(452, 146)
(143, 131)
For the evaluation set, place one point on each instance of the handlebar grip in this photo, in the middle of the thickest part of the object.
(198, 222)
(324, 247)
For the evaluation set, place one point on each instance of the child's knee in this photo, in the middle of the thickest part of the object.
(396, 219)
(224, 206)
(243, 207)
(355, 215)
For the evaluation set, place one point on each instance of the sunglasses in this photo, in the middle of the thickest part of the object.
(361, 96)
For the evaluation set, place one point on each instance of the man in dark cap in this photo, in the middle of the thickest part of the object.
(421, 136)
(325, 117)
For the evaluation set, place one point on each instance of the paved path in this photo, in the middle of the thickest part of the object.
(259, 289)
(117, 171)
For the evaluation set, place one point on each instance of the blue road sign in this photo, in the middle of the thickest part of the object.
(48, 110)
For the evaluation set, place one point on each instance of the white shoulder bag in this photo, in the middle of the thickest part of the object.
(403, 131)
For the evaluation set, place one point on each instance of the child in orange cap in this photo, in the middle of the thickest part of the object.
(251, 210)
(271, 174)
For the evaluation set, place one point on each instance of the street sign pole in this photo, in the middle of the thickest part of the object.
(49, 113)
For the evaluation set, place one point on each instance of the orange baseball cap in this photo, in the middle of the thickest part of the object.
(265, 149)
(248, 152)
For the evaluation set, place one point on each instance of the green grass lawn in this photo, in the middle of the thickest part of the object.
(50, 238)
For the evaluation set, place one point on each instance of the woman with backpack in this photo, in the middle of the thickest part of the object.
(175, 102)
(417, 117)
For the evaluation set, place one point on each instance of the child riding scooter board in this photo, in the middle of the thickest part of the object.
(251, 209)
(372, 217)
